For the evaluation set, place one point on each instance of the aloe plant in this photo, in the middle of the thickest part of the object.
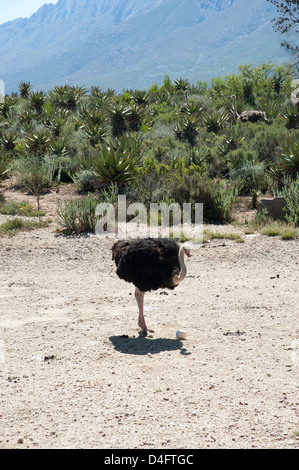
(59, 147)
(55, 121)
(66, 96)
(291, 114)
(7, 107)
(8, 140)
(182, 84)
(192, 109)
(187, 129)
(115, 162)
(37, 100)
(232, 138)
(215, 121)
(135, 117)
(94, 133)
(25, 88)
(288, 156)
(118, 116)
(140, 97)
(38, 142)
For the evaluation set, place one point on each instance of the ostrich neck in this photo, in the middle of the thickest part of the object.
(235, 108)
(177, 278)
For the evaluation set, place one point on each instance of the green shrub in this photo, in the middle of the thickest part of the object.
(223, 198)
(264, 140)
(85, 181)
(77, 215)
(249, 177)
(290, 193)
(240, 157)
(217, 196)
(63, 168)
(164, 112)
(34, 173)
(4, 166)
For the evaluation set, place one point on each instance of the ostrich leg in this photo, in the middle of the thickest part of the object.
(139, 295)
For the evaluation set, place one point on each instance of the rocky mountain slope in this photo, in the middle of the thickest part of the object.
(133, 43)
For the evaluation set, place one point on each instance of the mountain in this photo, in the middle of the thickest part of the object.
(134, 43)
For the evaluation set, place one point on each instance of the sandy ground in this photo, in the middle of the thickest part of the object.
(75, 374)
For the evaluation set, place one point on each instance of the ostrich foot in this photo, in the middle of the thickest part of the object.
(144, 329)
(144, 333)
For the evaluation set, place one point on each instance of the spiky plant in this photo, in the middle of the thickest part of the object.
(66, 96)
(58, 147)
(25, 89)
(288, 156)
(187, 129)
(8, 140)
(233, 136)
(37, 100)
(7, 106)
(291, 114)
(271, 107)
(135, 117)
(115, 162)
(118, 116)
(182, 84)
(95, 133)
(38, 142)
(192, 109)
(140, 97)
(215, 121)
(55, 122)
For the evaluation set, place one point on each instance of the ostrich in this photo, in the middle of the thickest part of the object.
(150, 264)
(251, 115)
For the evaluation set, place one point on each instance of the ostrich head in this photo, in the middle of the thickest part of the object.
(187, 249)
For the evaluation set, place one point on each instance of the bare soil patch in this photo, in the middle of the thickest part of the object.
(75, 374)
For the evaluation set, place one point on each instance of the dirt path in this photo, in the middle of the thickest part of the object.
(75, 374)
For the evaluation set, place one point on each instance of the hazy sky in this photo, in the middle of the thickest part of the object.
(12, 9)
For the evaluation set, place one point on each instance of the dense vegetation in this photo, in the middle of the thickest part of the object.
(175, 142)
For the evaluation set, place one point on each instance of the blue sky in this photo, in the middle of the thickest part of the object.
(12, 9)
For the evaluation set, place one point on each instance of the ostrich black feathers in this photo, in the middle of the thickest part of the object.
(148, 263)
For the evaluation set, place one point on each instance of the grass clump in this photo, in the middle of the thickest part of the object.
(284, 231)
(273, 228)
(12, 226)
(210, 235)
(19, 208)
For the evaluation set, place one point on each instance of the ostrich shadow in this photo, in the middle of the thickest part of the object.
(142, 346)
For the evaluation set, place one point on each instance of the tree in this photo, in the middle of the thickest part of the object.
(182, 84)
(288, 22)
(25, 89)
